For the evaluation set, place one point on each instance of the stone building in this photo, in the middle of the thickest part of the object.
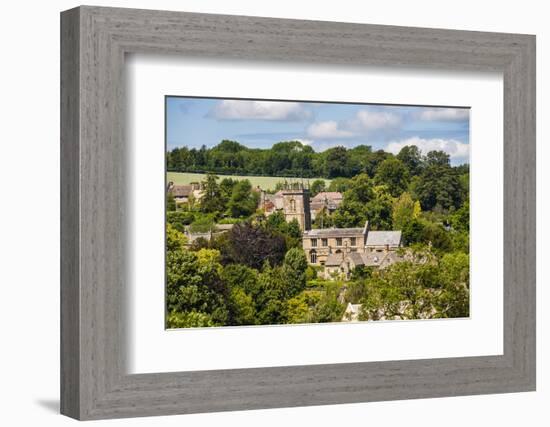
(182, 193)
(327, 201)
(296, 205)
(293, 200)
(340, 250)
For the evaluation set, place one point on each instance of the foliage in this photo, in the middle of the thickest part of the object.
(411, 156)
(405, 210)
(317, 187)
(393, 173)
(418, 290)
(203, 224)
(439, 185)
(175, 240)
(460, 220)
(180, 219)
(243, 201)
(189, 319)
(170, 202)
(339, 184)
(253, 245)
(211, 200)
(364, 201)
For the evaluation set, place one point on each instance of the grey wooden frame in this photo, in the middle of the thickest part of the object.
(94, 41)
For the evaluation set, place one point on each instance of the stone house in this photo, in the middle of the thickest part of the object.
(340, 250)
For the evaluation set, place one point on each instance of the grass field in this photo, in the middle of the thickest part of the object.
(265, 182)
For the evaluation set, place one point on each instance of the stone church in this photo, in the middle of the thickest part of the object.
(338, 250)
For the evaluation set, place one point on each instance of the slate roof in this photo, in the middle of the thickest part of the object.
(334, 260)
(373, 259)
(333, 232)
(330, 195)
(383, 238)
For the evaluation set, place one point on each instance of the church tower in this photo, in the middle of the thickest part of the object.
(296, 204)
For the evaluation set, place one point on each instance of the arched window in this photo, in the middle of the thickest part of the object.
(313, 257)
(292, 205)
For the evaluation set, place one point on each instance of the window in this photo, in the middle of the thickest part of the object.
(353, 241)
(313, 257)
(292, 205)
(338, 241)
(324, 242)
(313, 243)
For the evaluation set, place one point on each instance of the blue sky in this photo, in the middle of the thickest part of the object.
(193, 122)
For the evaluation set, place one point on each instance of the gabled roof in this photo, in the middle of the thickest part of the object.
(329, 195)
(181, 190)
(334, 260)
(383, 238)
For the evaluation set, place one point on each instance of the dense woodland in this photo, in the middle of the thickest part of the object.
(258, 273)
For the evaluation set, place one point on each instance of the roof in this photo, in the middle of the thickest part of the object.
(317, 205)
(181, 190)
(356, 258)
(334, 260)
(383, 238)
(330, 195)
(334, 232)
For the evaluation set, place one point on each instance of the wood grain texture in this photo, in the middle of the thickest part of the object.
(94, 382)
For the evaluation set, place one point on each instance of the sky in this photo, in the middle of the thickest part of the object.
(193, 122)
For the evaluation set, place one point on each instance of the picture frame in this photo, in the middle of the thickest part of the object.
(94, 381)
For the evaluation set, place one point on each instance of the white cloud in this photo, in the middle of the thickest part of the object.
(328, 129)
(456, 149)
(305, 141)
(259, 110)
(362, 123)
(444, 114)
(371, 120)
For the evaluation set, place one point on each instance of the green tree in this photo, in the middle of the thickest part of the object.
(243, 201)
(191, 319)
(211, 200)
(317, 187)
(438, 187)
(329, 308)
(295, 266)
(339, 184)
(242, 310)
(253, 245)
(460, 220)
(411, 156)
(337, 162)
(170, 202)
(202, 224)
(405, 210)
(175, 240)
(394, 174)
(226, 188)
(301, 308)
(193, 284)
(180, 219)
(437, 158)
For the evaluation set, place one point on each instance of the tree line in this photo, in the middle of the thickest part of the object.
(286, 159)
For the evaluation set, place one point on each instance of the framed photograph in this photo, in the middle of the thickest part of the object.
(261, 213)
